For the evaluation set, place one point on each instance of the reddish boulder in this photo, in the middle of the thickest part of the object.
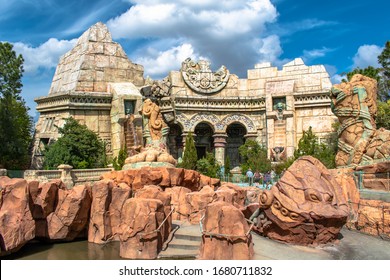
(374, 218)
(344, 177)
(176, 175)
(155, 192)
(240, 196)
(70, 218)
(179, 202)
(191, 180)
(99, 230)
(17, 226)
(376, 176)
(225, 234)
(119, 194)
(198, 202)
(140, 219)
(146, 176)
(306, 206)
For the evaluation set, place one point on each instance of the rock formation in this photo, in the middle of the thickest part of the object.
(198, 202)
(225, 234)
(17, 226)
(360, 142)
(140, 220)
(179, 202)
(305, 207)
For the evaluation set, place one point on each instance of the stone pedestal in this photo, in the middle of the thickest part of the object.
(66, 176)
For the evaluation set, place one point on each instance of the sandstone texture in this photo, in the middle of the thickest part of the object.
(155, 192)
(107, 202)
(305, 207)
(375, 176)
(225, 234)
(359, 142)
(140, 220)
(165, 177)
(198, 202)
(17, 226)
(179, 202)
(71, 216)
(373, 218)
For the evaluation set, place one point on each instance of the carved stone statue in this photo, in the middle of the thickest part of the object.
(306, 206)
(354, 103)
(155, 131)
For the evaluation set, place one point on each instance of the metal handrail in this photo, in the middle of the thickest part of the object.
(160, 226)
(227, 236)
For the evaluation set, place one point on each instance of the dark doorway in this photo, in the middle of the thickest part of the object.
(235, 139)
(204, 141)
(175, 140)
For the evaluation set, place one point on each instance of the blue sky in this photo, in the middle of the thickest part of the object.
(160, 34)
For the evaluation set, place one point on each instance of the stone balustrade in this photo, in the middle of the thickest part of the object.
(67, 174)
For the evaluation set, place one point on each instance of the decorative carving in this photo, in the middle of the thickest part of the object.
(354, 103)
(153, 121)
(306, 206)
(200, 78)
(240, 119)
(155, 133)
(189, 124)
(278, 154)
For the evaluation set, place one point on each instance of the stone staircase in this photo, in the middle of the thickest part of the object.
(185, 242)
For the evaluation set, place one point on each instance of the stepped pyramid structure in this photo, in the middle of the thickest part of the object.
(93, 83)
(99, 86)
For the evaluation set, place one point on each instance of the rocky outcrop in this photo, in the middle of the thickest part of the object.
(140, 219)
(165, 177)
(17, 226)
(179, 202)
(306, 206)
(225, 234)
(155, 192)
(70, 218)
(375, 176)
(198, 202)
(107, 202)
(373, 218)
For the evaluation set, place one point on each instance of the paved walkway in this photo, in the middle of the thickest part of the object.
(351, 246)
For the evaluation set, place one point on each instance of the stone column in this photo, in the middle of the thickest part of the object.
(219, 146)
(66, 175)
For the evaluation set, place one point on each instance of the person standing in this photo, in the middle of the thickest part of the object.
(256, 178)
(249, 174)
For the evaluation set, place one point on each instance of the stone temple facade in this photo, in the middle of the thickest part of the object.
(98, 85)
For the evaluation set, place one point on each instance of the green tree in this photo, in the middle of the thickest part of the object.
(78, 146)
(190, 156)
(383, 115)
(370, 71)
(254, 156)
(209, 166)
(384, 61)
(307, 144)
(119, 161)
(15, 123)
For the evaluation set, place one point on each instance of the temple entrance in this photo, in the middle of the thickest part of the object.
(204, 141)
(235, 139)
(175, 141)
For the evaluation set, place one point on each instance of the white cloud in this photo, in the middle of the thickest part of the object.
(158, 63)
(219, 30)
(309, 55)
(44, 56)
(367, 55)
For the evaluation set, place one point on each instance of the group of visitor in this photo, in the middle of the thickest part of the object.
(259, 179)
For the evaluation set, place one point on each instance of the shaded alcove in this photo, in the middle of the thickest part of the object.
(204, 141)
(235, 139)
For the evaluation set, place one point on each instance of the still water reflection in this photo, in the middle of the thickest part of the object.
(76, 250)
